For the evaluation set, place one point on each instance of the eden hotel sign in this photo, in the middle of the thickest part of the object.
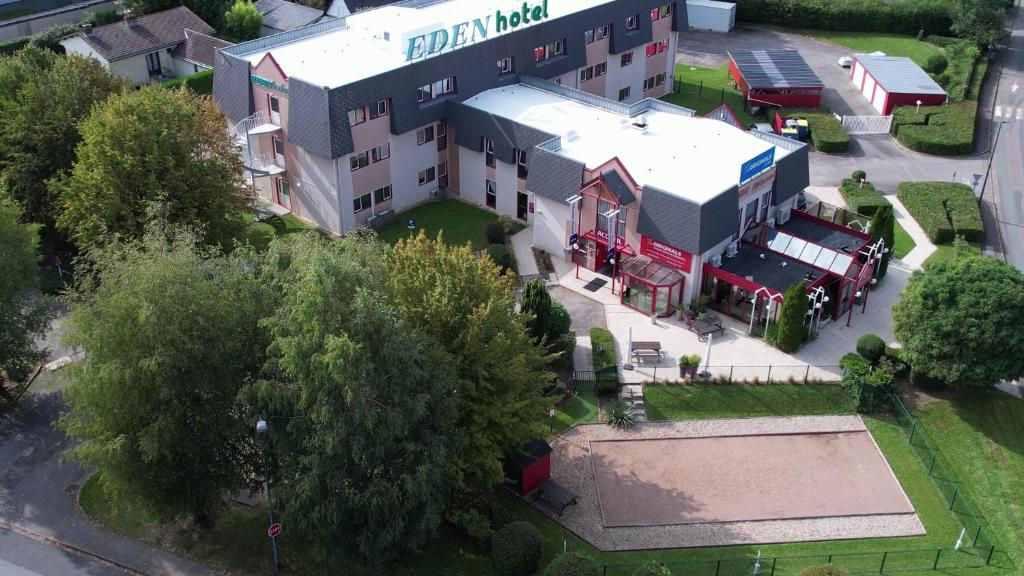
(433, 42)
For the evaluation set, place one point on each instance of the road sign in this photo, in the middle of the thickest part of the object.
(573, 238)
(411, 224)
(274, 530)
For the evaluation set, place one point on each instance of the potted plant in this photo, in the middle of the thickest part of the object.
(703, 301)
(688, 366)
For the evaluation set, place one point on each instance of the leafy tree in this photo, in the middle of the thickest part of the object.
(883, 225)
(536, 302)
(959, 320)
(211, 11)
(153, 156)
(140, 7)
(790, 325)
(243, 21)
(21, 320)
(170, 330)
(572, 564)
(44, 96)
(466, 305)
(982, 21)
(360, 406)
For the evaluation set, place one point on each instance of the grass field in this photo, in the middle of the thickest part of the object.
(903, 243)
(891, 44)
(944, 252)
(458, 221)
(580, 408)
(705, 89)
(738, 401)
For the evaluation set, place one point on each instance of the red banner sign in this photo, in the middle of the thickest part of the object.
(666, 254)
(757, 182)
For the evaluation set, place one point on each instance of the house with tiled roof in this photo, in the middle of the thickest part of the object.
(150, 48)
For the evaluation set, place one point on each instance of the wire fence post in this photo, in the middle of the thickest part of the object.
(718, 567)
(952, 501)
(881, 569)
(722, 99)
(700, 91)
(991, 551)
(938, 554)
(769, 374)
(977, 534)
(807, 374)
(730, 373)
(932, 465)
(774, 560)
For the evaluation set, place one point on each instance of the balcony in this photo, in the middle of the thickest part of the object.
(262, 165)
(259, 123)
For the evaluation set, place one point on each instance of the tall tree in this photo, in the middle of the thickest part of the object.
(536, 302)
(959, 320)
(243, 21)
(982, 21)
(790, 325)
(153, 155)
(44, 96)
(170, 330)
(21, 320)
(360, 406)
(466, 304)
(883, 226)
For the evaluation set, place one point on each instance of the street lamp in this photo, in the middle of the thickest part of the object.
(261, 428)
(991, 156)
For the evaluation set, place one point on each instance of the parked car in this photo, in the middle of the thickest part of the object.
(846, 61)
(761, 127)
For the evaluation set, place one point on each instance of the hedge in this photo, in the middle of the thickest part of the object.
(200, 82)
(940, 130)
(516, 549)
(864, 200)
(875, 16)
(944, 209)
(602, 346)
(827, 132)
(13, 46)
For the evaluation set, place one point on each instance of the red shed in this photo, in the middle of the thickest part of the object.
(775, 78)
(891, 81)
(531, 466)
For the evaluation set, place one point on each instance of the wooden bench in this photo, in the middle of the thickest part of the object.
(646, 350)
(705, 326)
(555, 495)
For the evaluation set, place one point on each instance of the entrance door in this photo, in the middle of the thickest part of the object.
(275, 110)
(284, 195)
(153, 63)
(279, 152)
(522, 205)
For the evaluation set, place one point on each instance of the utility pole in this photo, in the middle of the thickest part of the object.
(991, 156)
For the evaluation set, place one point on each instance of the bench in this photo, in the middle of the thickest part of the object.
(644, 351)
(555, 495)
(709, 325)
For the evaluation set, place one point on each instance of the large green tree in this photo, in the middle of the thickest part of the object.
(22, 320)
(153, 156)
(883, 226)
(982, 21)
(466, 304)
(170, 332)
(536, 302)
(243, 21)
(360, 407)
(44, 96)
(791, 332)
(959, 320)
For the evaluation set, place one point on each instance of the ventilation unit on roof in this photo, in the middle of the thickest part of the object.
(571, 135)
(783, 216)
(732, 249)
(770, 222)
(640, 122)
(716, 261)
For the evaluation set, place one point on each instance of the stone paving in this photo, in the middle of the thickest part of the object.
(924, 247)
(522, 249)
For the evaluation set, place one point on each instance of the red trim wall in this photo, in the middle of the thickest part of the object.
(895, 100)
(536, 474)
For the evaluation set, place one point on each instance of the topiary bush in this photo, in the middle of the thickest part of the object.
(936, 64)
(495, 232)
(859, 175)
(944, 209)
(516, 549)
(871, 347)
(571, 564)
(652, 568)
(501, 256)
(862, 198)
(822, 570)
(946, 130)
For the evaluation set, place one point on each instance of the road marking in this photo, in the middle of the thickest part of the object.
(1009, 112)
(999, 111)
(1020, 113)
(1014, 87)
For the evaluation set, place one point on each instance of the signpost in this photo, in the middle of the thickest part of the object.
(274, 530)
(757, 164)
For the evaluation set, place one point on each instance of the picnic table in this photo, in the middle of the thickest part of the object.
(555, 495)
(707, 325)
(645, 350)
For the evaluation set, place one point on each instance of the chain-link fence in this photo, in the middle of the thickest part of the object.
(666, 372)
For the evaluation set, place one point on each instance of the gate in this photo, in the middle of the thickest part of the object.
(867, 124)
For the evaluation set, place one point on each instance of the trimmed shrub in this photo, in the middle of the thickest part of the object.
(936, 64)
(895, 16)
(827, 133)
(859, 175)
(495, 232)
(944, 210)
(871, 347)
(602, 346)
(822, 570)
(501, 256)
(516, 549)
(200, 82)
(510, 225)
(13, 46)
(571, 564)
(559, 322)
(862, 199)
(939, 130)
(791, 332)
(49, 38)
(652, 568)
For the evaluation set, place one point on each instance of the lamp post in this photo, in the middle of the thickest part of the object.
(261, 428)
(995, 146)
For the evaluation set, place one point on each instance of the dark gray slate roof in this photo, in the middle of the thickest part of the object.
(775, 69)
(619, 186)
(693, 227)
(552, 175)
(899, 74)
(284, 16)
(199, 48)
(144, 34)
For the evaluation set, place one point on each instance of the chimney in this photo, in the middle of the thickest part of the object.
(87, 28)
(129, 17)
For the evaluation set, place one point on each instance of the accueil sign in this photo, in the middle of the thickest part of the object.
(441, 40)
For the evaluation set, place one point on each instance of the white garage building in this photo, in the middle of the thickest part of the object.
(711, 15)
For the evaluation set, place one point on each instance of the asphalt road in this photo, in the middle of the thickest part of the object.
(24, 556)
(1006, 184)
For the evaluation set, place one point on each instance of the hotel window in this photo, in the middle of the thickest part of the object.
(588, 36)
(659, 13)
(442, 136)
(648, 83)
(626, 59)
(381, 152)
(489, 152)
(426, 176)
(356, 116)
(521, 163)
(659, 79)
(379, 109)
(505, 66)
(382, 194)
(624, 94)
(621, 230)
(556, 48)
(765, 199)
(424, 135)
(442, 175)
(601, 69)
(652, 49)
(663, 46)
(361, 203)
(586, 74)
(632, 23)
(492, 194)
(437, 89)
(360, 160)
(601, 32)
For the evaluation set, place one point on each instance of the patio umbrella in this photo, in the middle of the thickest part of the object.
(628, 365)
(707, 358)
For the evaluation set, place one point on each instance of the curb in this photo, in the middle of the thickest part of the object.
(10, 527)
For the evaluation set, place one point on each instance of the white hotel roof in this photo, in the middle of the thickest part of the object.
(358, 50)
(693, 158)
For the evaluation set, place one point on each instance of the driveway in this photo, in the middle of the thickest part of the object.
(709, 49)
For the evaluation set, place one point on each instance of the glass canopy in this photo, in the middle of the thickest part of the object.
(808, 252)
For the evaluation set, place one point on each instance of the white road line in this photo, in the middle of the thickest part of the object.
(999, 111)
(1020, 113)
(1009, 112)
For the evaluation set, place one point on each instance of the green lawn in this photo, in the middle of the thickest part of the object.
(580, 408)
(891, 44)
(944, 252)
(903, 242)
(738, 401)
(259, 234)
(705, 89)
(458, 221)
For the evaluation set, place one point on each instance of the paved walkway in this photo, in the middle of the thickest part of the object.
(915, 259)
(582, 358)
(522, 249)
